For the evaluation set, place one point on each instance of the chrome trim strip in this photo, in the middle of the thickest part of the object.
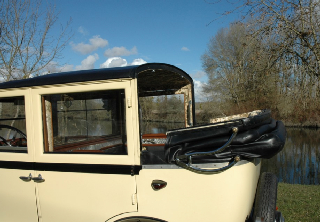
(173, 166)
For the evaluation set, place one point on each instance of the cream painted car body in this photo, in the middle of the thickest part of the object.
(92, 187)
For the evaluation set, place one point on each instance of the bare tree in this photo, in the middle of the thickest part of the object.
(282, 41)
(27, 44)
(238, 69)
(294, 25)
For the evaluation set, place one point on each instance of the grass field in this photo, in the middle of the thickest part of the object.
(299, 202)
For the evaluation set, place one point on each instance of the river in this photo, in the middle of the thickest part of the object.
(297, 163)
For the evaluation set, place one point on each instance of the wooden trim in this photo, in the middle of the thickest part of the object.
(45, 130)
(76, 145)
(154, 136)
(160, 144)
(87, 151)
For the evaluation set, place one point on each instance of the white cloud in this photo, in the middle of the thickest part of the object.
(114, 62)
(198, 91)
(67, 68)
(185, 49)
(120, 51)
(83, 31)
(29, 50)
(120, 62)
(88, 63)
(54, 67)
(95, 43)
(138, 62)
(199, 74)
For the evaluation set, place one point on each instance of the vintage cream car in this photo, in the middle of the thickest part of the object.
(72, 149)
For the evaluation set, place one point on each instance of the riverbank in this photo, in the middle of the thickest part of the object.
(299, 202)
(307, 124)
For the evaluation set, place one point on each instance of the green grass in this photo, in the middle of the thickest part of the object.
(299, 202)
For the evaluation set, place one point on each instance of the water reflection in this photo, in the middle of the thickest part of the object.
(299, 160)
(297, 163)
(159, 127)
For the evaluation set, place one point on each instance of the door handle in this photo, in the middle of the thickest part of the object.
(28, 178)
(158, 184)
(38, 179)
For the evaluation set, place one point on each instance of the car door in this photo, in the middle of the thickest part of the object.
(84, 151)
(17, 190)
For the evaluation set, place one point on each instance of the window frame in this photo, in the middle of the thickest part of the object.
(21, 156)
(52, 129)
(89, 158)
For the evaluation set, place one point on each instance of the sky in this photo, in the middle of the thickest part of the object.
(109, 33)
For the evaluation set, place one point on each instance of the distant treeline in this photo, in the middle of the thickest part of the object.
(268, 61)
(162, 108)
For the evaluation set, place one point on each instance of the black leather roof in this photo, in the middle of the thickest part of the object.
(158, 73)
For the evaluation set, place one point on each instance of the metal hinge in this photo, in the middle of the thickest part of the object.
(129, 102)
(134, 199)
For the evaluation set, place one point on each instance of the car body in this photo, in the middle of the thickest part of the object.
(72, 150)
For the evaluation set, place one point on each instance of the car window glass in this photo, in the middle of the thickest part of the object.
(13, 136)
(85, 122)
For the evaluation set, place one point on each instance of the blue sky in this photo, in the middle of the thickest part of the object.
(122, 32)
